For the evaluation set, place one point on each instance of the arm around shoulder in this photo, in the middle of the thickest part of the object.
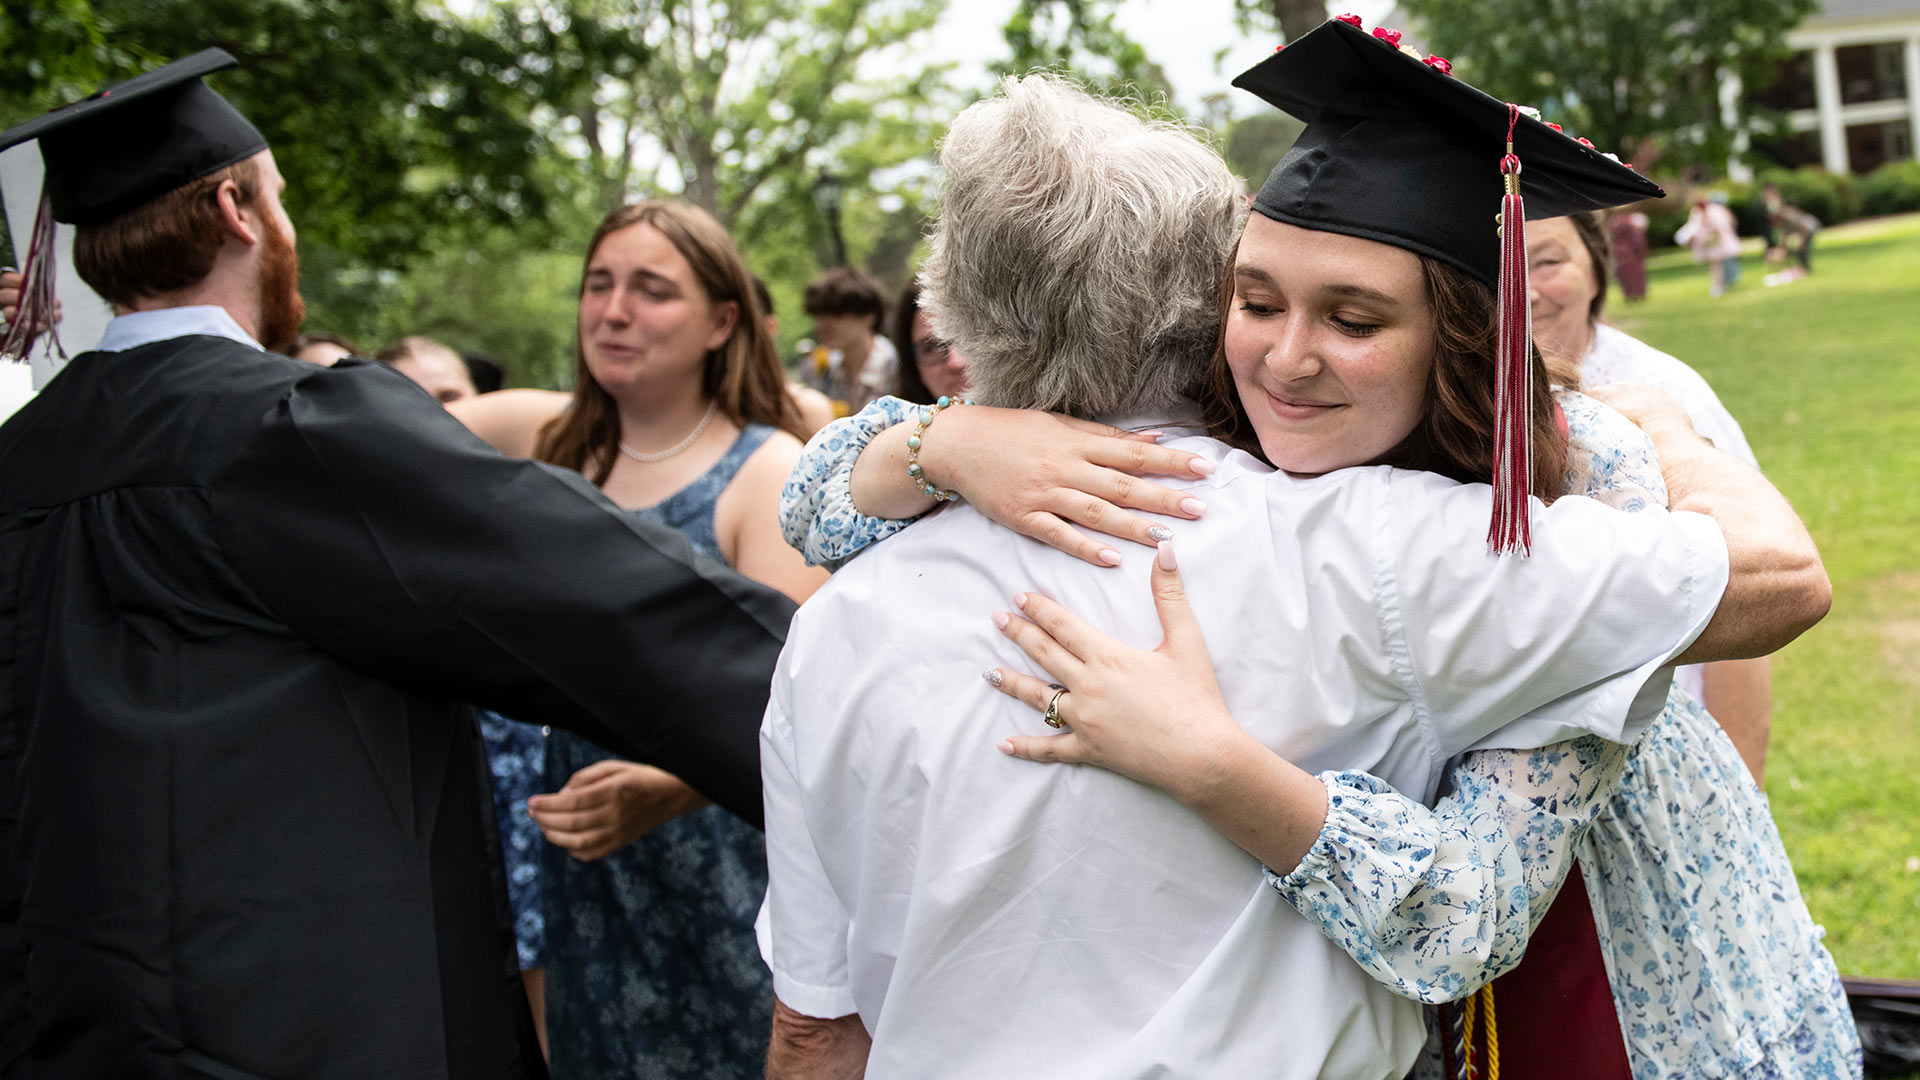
(510, 420)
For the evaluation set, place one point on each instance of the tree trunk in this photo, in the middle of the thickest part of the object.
(1296, 17)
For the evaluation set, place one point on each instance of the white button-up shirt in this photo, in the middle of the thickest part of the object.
(989, 917)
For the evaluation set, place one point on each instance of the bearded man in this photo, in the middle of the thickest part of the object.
(243, 817)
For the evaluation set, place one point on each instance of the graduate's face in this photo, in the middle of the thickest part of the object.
(1330, 341)
(644, 316)
(1562, 286)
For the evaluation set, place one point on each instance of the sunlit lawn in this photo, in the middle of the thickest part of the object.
(1824, 374)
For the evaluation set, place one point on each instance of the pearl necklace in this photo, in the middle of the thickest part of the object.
(677, 447)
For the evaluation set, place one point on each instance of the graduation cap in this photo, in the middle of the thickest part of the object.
(117, 149)
(1398, 151)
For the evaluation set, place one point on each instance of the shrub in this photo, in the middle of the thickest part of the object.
(1891, 189)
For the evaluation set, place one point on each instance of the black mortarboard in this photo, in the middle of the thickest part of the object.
(116, 150)
(109, 153)
(1398, 151)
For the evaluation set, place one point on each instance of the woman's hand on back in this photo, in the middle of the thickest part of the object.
(1040, 474)
(1156, 716)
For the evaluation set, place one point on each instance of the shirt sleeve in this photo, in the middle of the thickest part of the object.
(803, 926)
(817, 515)
(382, 532)
(1529, 651)
(1435, 903)
(1609, 460)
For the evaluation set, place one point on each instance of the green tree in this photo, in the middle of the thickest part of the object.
(1080, 38)
(1292, 17)
(1622, 73)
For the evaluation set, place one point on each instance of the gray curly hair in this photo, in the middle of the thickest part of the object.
(1079, 253)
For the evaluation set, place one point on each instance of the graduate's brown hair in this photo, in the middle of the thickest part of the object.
(1455, 434)
(165, 244)
(743, 375)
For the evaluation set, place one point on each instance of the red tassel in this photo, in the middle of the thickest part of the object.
(1511, 529)
(35, 314)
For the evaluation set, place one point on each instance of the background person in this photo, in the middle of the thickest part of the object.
(438, 369)
(1567, 258)
(852, 364)
(1627, 232)
(322, 348)
(680, 414)
(932, 368)
(1713, 236)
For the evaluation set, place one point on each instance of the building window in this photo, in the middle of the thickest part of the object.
(1876, 72)
(1792, 86)
(1870, 146)
(1789, 151)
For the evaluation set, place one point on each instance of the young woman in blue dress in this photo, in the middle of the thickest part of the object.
(680, 414)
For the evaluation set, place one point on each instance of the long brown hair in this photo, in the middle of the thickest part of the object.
(1455, 434)
(743, 375)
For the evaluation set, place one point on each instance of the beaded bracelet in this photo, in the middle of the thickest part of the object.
(927, 413)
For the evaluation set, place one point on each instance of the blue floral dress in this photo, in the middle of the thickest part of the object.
(652, 966)
(516, 756)
(1716, 967)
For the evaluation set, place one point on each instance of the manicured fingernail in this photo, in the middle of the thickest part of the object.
(1193, 506)
(1201, 466)
(1020, 600)
(1004, 747)
(993, 676)
(1156, 436)
(1165, 558)
(1001, 619)
(1110, 556)
(1160, 532)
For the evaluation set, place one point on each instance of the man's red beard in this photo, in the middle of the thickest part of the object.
(281, 308)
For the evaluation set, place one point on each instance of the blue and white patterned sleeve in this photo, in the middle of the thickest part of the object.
(1436, 902)
(817, 515)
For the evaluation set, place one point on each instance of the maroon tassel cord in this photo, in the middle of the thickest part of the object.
(1511, 529)
(35, 315)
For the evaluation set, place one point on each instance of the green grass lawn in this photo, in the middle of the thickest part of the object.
(1824, 375)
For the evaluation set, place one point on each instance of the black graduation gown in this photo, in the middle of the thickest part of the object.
(243, 824)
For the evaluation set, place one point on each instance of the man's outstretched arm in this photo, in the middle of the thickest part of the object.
(810, 1048)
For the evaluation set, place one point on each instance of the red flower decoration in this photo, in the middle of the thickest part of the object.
(1556, 127)
(1351, 20)
(1583, 142)
(1629, 165)
(1277, 48)
(1441, 64)
(1391, 37)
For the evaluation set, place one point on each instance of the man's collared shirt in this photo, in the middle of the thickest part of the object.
(987, 916)
(138, 328)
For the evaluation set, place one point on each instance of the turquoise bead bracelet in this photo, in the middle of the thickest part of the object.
(927, 413)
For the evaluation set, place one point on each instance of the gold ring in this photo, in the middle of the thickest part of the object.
(1053, 706)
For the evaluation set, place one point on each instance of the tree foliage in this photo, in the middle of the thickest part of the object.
(1623, 73)
(1081, 39)
(1291, 17)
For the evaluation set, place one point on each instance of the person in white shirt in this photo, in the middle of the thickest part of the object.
(937, 908)
(1568, 259)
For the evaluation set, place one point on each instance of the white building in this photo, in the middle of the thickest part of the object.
(1852, 90)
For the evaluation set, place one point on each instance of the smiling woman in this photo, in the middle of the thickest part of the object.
(681, 415)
